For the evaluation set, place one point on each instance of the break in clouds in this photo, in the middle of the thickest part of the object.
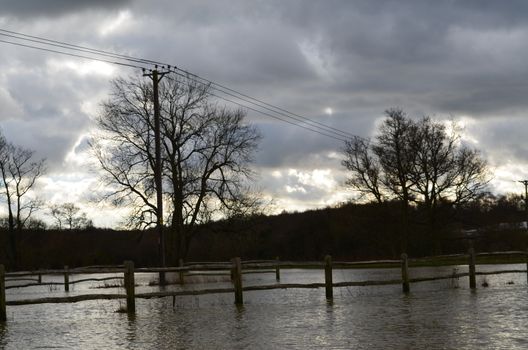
(462, 60)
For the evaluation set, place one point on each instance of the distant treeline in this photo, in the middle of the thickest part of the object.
(364, 231)
(53, 249)
(348, 232)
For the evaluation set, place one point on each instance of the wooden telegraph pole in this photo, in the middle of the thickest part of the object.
(156, 77)
(525, 183)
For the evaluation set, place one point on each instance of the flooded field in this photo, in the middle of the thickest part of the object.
(435, 315)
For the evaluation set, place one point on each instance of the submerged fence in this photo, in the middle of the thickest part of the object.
(235, 269)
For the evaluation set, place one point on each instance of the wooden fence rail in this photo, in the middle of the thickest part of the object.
(236, 269)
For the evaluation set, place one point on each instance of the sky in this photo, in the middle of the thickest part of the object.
(341, 63)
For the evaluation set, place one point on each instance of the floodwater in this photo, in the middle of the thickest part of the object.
(435, 315)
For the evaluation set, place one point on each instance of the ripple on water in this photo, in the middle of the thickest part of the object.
(434, 316)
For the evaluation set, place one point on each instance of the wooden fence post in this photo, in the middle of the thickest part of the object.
(237, 281)
(527, 267)
(3, 313)
(130, 287)
(66, 279)
(472, 279)
(277, 269)
(406, 287)
(182, 278)
(162, 279)
(328, 278)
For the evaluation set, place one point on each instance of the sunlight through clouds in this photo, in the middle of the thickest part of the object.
(82, 68)
(79, 154)
(115, 24)
(318, 178)
(300, 189)
(328, 63)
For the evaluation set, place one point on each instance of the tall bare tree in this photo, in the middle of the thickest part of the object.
(416, 162)
(19, 172)
(394, 153)
(206, 152)
(383, 169)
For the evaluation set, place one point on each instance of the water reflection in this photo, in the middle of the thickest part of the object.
(3, 334)
(131, 330)
(239, 311)
(434, 315)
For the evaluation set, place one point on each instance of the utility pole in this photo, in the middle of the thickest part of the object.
(525, 183)
(156, 77)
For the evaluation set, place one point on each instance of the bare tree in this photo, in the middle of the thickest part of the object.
(206, 152)
(416, 162)
(19, 172)
(364, 167)
(472, 176)
(394, 153)
(445, 171)
(69, 216)
(396, 157)
(384, 169)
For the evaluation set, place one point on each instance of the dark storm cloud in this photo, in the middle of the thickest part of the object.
(439, 57)
(282, 146)
(54, 8)
(443, 58)
(51, 116)
(420, 48)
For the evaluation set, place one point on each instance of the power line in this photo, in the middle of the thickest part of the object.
(307, 123)
(245, 97)
(63, 44)
(71, 54)
(73, 46)
(275, 117)
(260, 111)
(262, 104)
(307, 127)
(221, 97)
(289, 114)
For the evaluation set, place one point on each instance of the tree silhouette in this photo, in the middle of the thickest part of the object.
(206, 152)
(415, 162)
(19, 172)
(69, 216)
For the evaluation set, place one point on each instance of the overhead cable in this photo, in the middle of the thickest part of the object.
(270, 110)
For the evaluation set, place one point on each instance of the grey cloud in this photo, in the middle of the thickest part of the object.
(428, 57)
(502, 138)
(405, 47)
(51, 117)
(284, 146)
(54, 8)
